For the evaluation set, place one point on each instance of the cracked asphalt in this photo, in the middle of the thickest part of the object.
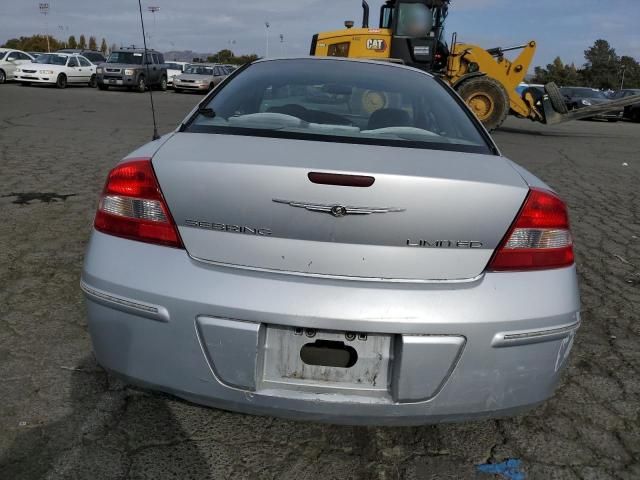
(62, 417)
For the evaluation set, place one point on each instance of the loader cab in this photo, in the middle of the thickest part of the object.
(417, 31)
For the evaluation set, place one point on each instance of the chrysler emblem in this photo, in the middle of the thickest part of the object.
(338, 210)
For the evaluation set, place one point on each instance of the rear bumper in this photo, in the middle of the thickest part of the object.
(511, 334)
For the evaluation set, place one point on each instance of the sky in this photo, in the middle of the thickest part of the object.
(562, 28)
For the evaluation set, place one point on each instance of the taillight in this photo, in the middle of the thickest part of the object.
(132, 206)
(539, 238)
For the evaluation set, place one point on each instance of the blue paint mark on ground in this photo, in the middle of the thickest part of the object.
(510, 470)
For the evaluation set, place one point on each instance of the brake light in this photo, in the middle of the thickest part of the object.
(539, 238)
(132, 206)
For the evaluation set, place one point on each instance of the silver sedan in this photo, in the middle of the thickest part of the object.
(333, 240)
(200, 77)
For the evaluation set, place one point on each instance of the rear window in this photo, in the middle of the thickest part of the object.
(94, 57)
(174, 66)
(345, 101)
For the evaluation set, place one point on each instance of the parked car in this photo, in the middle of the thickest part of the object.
(175, 69)
(59, 69)
(199, 77)
(93, 56)
(580, 97)
(126, 68)
(374, 260)
(631, 112)
(10, 60)
(36, 54)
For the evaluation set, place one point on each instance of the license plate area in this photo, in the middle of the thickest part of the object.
(325, 361)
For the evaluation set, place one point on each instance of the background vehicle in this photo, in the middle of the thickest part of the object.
(200, 77)
(582, 97)
(128, 68)
(59, 69)
(173, 70)
(93, 56)
(10, 60)
(631, 112)
(412, 32)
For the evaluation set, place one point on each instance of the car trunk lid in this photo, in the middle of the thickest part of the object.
(246, 201)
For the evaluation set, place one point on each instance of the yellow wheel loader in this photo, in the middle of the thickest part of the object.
(412, 32)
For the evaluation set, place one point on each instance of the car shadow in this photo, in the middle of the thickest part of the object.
(552, 133)
(105, 435)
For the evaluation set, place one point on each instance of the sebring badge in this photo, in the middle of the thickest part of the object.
(338, 210)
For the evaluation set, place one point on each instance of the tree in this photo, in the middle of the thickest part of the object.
(103, 47)
(558, 72)
(83, 42)
(72, 43)
(602, 67)
(631, 70)
(34, 43)
(93, 44)
(228, 57)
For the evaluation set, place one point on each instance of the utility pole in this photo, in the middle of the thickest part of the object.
(267, 25)
(282, 45)
(624, 69)
(44, 10)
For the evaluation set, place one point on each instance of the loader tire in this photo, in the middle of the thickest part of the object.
(556, 98)
(487, 99)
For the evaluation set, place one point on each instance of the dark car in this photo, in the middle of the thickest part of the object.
(94, 57)
(631, 112)
(128, 67)
(581, 97)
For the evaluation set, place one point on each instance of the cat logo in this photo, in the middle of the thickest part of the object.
(377, 44)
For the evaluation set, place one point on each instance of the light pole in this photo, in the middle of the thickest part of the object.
(267, 25)
(282, 45)
(154, 10)
(64, 28)
(44, 10)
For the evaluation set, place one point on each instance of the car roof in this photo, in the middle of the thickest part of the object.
(134, 50)
(343, 59)
(204, 64)
(77, 50)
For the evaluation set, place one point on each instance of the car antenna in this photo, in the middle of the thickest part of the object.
(146, 63)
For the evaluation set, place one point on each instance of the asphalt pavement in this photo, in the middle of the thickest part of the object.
(62, 417)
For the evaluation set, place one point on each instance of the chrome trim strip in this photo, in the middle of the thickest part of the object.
(339, 277)
(343, 209)
(154, 312)
(525, 337)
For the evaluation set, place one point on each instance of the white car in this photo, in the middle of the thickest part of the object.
(174, 69)
(10, 60)
(59, 69)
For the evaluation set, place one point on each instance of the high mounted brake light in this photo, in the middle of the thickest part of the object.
(539, 238)
(132, 206)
